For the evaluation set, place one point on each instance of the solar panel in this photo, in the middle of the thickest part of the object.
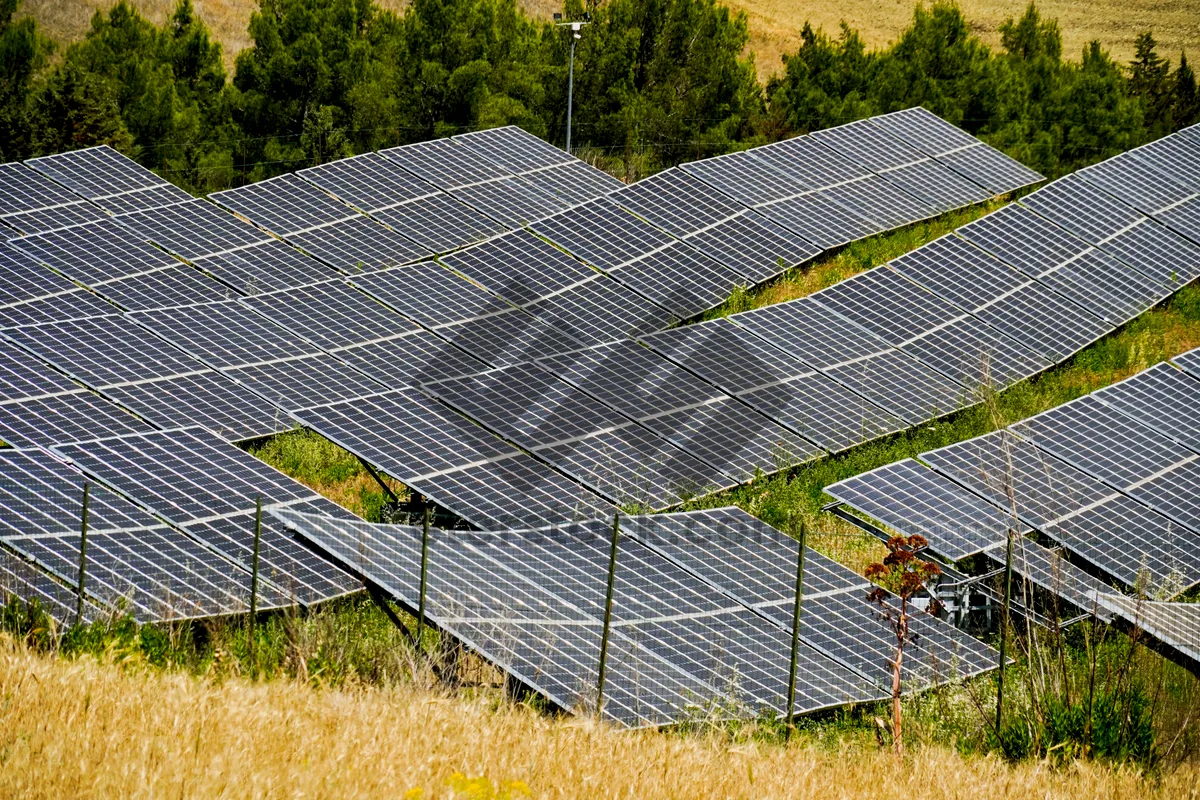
(683, 409)
(1028, 312)
(22, 375)
(1117, 228)
(1176, 155)
(1136, 183)
(811, 163)
(938, 185)
(193, 229)
(744, 241)
(369, 182)
(66, 417)
(1162, 397)
(959, 346)
(868, 145)
(543, 642)
(602, 234)
(956, 149)
(109, 179)
(513, 149)
(775, 383)
(265, 267)
(284, 205)
(879, 201)
(922, 129)
(1117, 534)
(31, 293)
(365, 334)
(1189, 362)
(1183, 218)
(911, 499)
(857, 359)
(679, 279)
(23, 581)
(475, 180)
(112, 260)
(576, 182)
(331, 314)
(1050, 570)
(1175, 626)
(438, 222)
(430, 294)
(580, 435)
(1123, 453)
(819, 219)
(30, 203)
(209, 488)
(745, 178)
(518, 266)
(103, 351)
(508, 337)
(358, 244)
(599, 309)
(445, 163)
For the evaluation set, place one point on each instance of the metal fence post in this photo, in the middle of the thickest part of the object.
(791, 699)
(424, 577)
(254, 577)
(1008, 569)
(83, 530)
(608, 601)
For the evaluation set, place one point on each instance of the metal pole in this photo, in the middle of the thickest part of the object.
(424, 576)
(83, 528)
(1008, 566)
(791, 700)
(254, 574)
(570, 88)
(608, 599)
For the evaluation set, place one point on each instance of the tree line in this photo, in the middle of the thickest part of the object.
(656, 82)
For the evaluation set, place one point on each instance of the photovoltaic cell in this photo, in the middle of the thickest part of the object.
(284, 205)
(753, 246)
(1162, 397)
(1050, 570)
(679, 279)
(508, 337)
(991, 168)
(68, 417)
(1117, 228)
(513, 149)
(599, 310)
(1189, 362)
(575, 182)
(331, 314)
(676, 202)
(518, 266)
(430, 294)
(909, 499)
(1176, 155)
(743, 177)
(814, 165)
(369, 182)
(819, 219)
(109, 179)
(438, 222)
(1123, 453)
(509, 201)
(445, 163)
(959, 346)
(358, 244)
(193, 229)
(1034, 315)
(1136, 183)
(30, 585)
(1117, 534)
(30, 203)
(602, 234)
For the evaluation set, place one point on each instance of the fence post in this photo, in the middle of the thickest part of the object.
(83, 529)
(1008, 568)
(254, 579)
(608, 600)
(791, 698)
(424, 578)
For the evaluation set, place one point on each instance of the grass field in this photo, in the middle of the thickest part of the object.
(774, 24)
(88, 728)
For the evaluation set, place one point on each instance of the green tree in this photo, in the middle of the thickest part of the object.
(1185, 99)
(23, 51)
(77, 108)
(1149, 82)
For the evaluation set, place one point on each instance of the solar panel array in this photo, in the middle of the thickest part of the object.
(820, 374)
(686, 635)
(1112, 478)
(110, 180)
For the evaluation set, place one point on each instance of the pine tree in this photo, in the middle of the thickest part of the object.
(1186, 101)
(1149, 82)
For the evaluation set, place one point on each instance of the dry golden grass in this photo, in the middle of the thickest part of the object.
(83, 729)
(774, 24)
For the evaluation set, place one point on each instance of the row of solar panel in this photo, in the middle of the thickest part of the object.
(170, 534)
(1112, 478)
(701, 613)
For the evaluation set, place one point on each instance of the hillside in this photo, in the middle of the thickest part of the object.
(773, 23)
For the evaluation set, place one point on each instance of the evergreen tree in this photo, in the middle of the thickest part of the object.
(1149, 81)
(75, 109)
(1185, 100)
(22, 53)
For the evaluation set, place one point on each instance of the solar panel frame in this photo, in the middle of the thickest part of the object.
(602, 234)
(32, 586)
(1176, 155)
(819, 219)
(508, 337)
(31, 203)
(1161, 397)
(1136, 183)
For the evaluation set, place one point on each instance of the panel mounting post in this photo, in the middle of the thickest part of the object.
(791, 697)
(83, 531)
(424, 576)
(608, 601)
